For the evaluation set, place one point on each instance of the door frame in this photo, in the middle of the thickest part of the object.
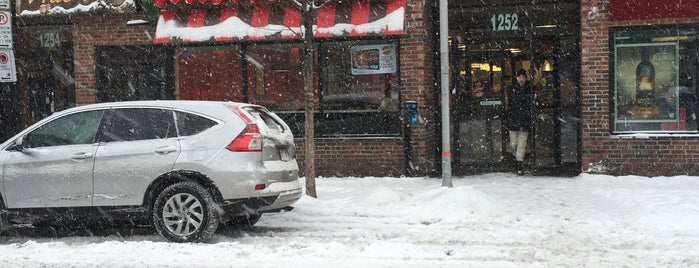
(535, 58)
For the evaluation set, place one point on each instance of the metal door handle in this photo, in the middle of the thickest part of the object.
(165, 150)
(81, 156)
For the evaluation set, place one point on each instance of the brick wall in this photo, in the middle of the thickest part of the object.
(417, 63)
(382, 157)
(371, 157)
(601, 151)
(377, 157)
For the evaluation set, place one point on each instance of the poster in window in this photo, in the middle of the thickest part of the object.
(373, 59)
(646, 82)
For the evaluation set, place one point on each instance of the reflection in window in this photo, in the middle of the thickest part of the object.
(210, 73)
(139, 124)
(78, 128)
(127, 73)
(654, 83)
(275, 77)
(191, 124)
(360, 93)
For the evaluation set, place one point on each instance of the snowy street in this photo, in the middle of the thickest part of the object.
(491, 220)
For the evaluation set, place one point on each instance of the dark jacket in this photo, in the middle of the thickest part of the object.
(518, 115)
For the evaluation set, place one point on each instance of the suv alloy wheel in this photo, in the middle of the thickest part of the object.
(184, 212)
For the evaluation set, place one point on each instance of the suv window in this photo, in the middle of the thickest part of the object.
(261, 115)
(139, 124)
(78, 128)
(191, 124)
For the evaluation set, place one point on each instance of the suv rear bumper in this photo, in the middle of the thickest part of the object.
(255, 205)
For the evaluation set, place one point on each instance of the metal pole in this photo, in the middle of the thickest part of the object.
(444, 76)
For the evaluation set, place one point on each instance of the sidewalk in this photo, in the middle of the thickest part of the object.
(492, 220)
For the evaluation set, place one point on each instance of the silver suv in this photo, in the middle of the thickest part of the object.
(184, 166)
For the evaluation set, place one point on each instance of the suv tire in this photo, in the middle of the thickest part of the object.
(185, 212)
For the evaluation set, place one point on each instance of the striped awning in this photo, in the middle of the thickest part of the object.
(265, 22)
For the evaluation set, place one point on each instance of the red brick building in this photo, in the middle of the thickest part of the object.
(667, 144)
(592, 111)
(110, 56)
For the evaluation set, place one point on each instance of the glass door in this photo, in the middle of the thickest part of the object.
(491, 41)
(481, 74)
(556, 121)
(481, 77)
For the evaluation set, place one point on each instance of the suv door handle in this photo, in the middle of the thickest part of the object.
(81, 156)
(165, 150)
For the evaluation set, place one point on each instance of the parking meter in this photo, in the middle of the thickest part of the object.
(411, 111)
(412, 118)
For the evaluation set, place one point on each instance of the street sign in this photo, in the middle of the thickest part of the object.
(8, 72)
(5, 4)
(5, 29)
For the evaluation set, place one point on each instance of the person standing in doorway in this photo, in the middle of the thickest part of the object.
(518, 119)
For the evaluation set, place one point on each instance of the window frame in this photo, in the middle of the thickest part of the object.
(375, 123)
(632, 39)
(109, 121)
(127, 68)
(27, 141)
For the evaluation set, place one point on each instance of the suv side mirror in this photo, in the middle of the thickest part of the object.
(18, 145)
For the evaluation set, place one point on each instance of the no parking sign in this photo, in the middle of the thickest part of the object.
(8, 72)
(5, 29)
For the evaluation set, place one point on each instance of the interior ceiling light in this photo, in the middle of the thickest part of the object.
(670, 38)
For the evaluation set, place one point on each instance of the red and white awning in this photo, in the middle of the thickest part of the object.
(265, 22)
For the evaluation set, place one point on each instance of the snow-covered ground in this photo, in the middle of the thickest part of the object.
(492, 220)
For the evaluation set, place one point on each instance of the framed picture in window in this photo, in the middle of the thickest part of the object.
(646, 79)
(373, 59)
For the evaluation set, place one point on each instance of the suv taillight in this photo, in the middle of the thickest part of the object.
(250, 140)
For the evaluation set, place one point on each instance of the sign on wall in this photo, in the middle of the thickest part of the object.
(7, 66)
(43, 6)
(373, 59)
(5, 29)
(652, 9)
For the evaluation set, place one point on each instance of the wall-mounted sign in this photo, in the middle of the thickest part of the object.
(5, 29)
(44, 6)
(505, 22)
(50, 39)
(373, 59)
(652, 9)
(8, 72)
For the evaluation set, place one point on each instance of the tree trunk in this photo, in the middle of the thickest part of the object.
(309, 97)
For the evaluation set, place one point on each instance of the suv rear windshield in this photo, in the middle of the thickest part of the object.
(261, 115)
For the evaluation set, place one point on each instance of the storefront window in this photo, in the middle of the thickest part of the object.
(45, 82)
(275, 78)
(654, 79)
(360, 91)
(134, 73)
(357, 93)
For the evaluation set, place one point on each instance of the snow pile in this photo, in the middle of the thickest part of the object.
(99, 4)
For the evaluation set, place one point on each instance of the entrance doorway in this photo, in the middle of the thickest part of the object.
(489, 42)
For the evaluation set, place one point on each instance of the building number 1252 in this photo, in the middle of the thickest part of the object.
(505, 22)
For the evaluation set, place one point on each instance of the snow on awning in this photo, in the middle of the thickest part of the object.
(262, 22)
